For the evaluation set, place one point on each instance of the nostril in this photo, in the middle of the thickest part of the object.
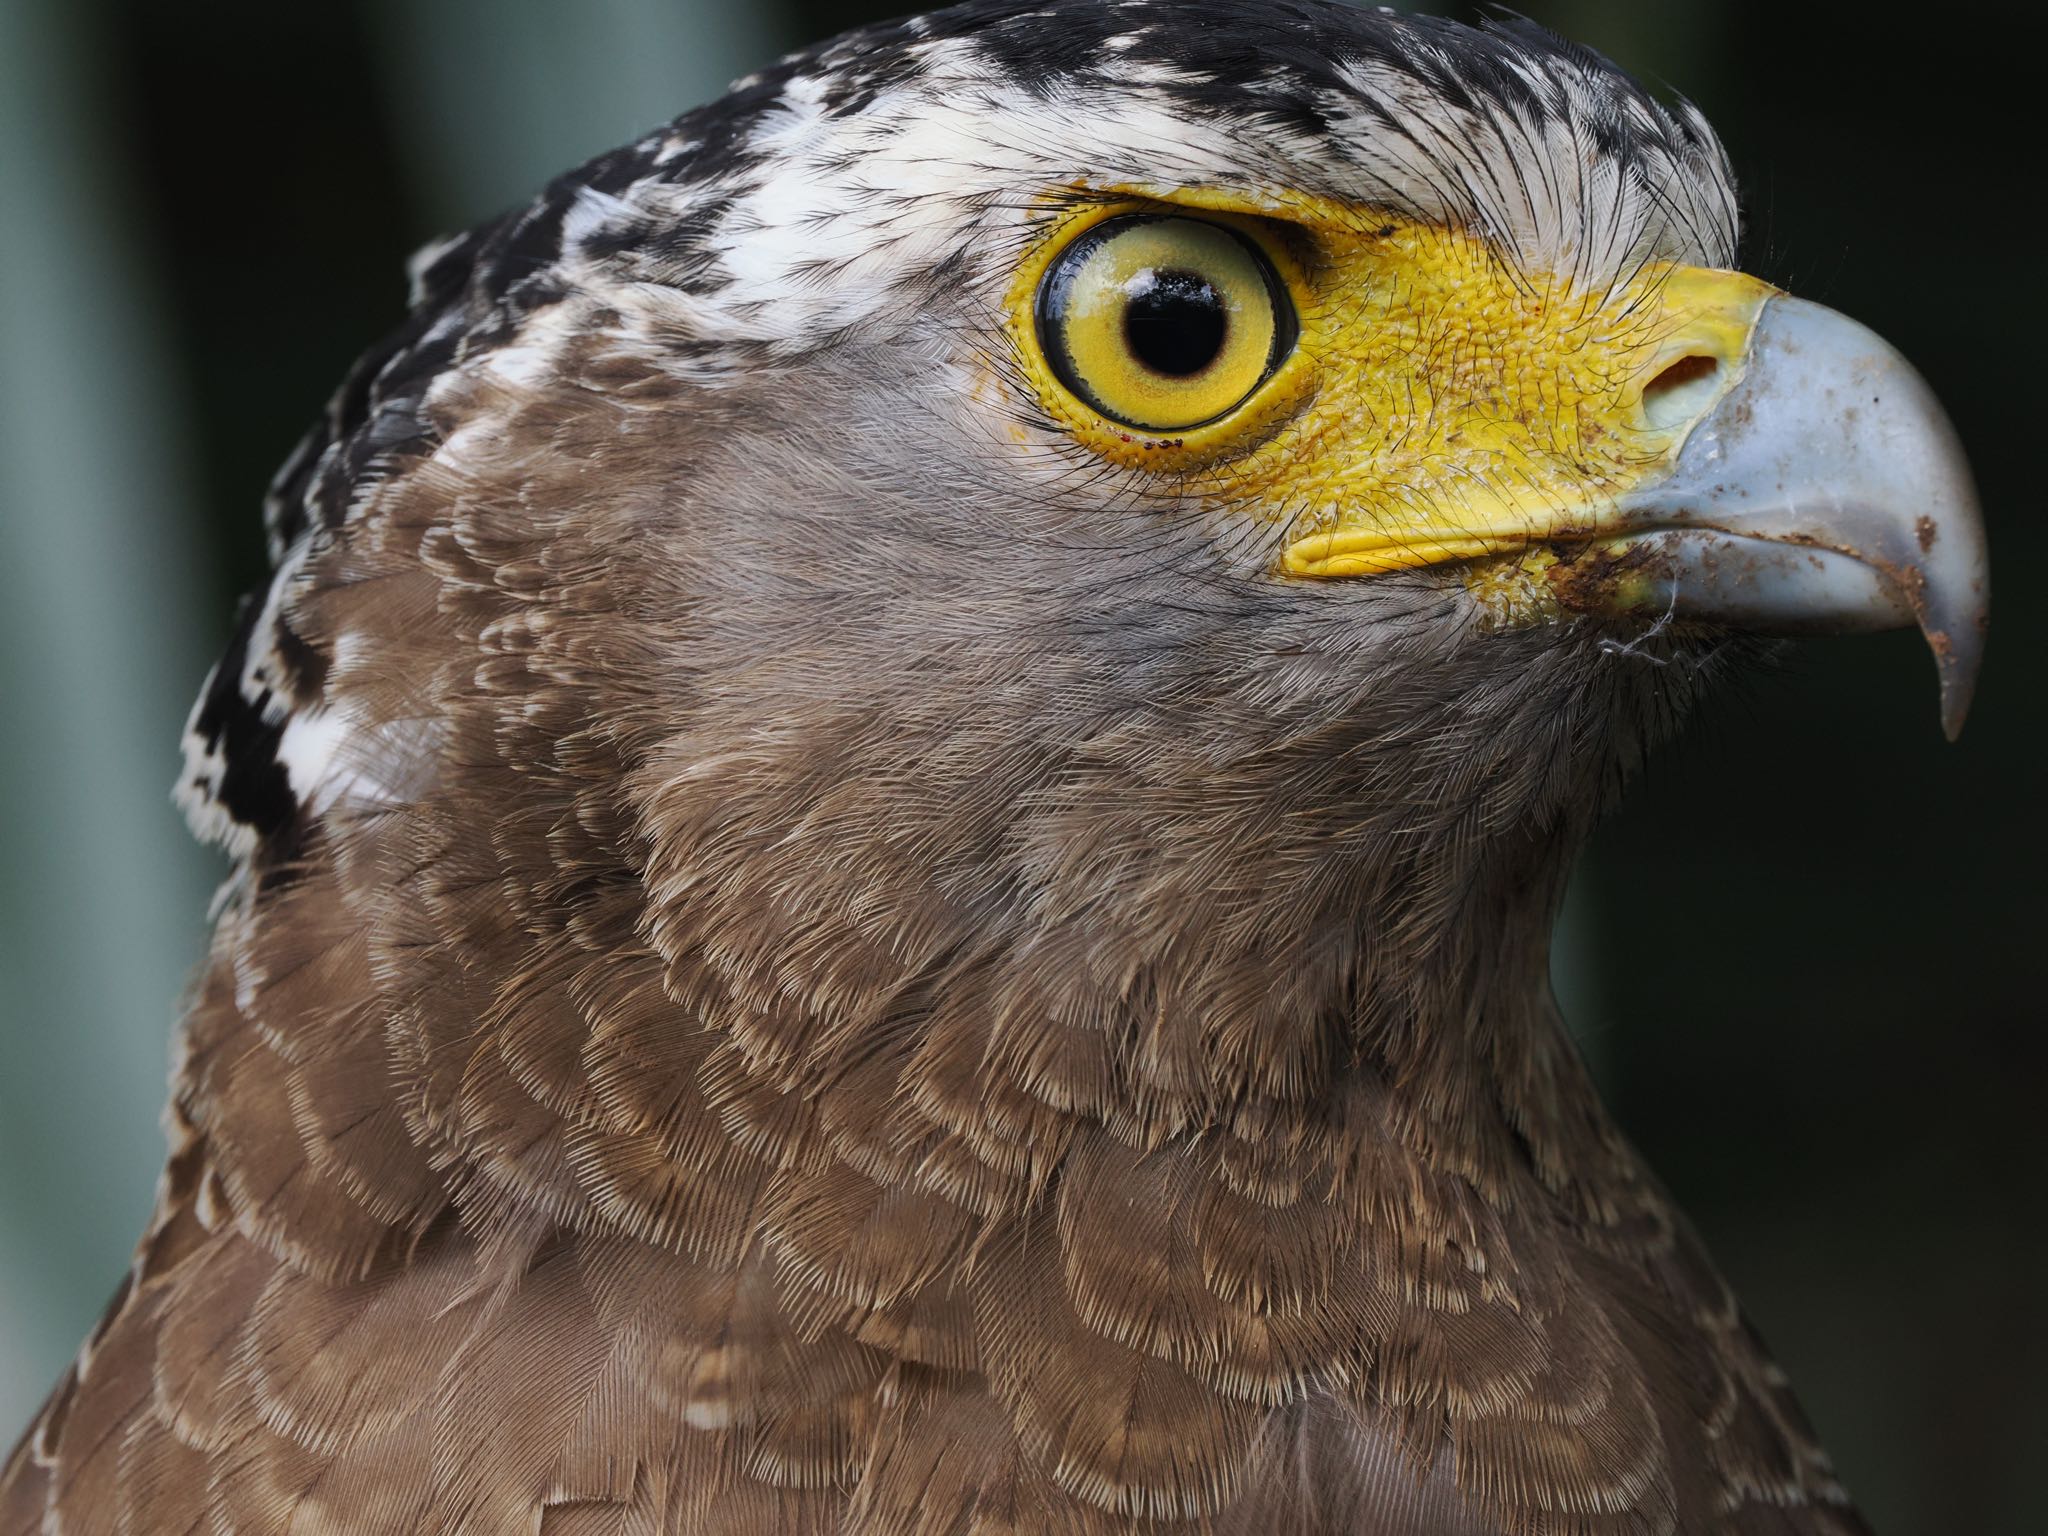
(1681, 373)
(1680, 391)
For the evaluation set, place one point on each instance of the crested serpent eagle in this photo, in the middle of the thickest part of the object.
(897, 804)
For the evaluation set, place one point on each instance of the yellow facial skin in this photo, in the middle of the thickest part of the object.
(1439, 405)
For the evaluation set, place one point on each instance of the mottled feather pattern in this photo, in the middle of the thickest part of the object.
(708, 1038)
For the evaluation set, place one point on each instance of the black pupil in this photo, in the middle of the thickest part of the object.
(1175, 323)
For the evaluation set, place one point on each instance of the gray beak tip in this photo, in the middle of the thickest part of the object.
(1958, 653)
(1827, 492)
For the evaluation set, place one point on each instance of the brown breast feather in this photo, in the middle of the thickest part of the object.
(512, 1192)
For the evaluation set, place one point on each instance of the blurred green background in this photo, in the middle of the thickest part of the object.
(1805, 957)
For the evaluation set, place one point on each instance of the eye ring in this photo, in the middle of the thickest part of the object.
(1163, 323)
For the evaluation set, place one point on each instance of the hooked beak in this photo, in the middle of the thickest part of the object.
(1824, 492)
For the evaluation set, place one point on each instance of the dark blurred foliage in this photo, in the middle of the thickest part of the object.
(1814, 981)
(279, 212)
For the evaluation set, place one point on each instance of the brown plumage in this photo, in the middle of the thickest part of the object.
(800, 963)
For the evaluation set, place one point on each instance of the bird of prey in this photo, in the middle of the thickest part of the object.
(897, 806)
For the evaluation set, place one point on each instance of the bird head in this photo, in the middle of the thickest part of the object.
(1186, 502)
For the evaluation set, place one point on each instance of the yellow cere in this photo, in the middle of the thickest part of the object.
(1439, 403)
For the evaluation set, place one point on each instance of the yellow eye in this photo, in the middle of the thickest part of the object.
(1163, 323)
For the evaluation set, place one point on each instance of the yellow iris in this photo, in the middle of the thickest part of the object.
(1163, 323)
